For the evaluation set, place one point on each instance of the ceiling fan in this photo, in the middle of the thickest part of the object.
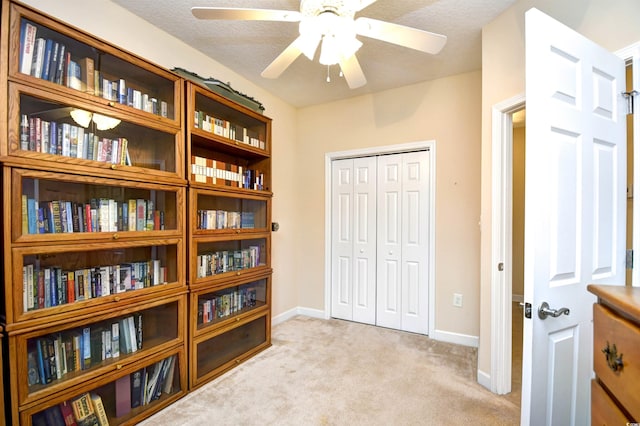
(331, 24)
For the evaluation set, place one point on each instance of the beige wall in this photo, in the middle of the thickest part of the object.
(517, 261)
(612, 24)
(444, 110)
(129, 32)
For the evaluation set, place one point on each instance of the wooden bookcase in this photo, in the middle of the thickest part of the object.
(94, 225)
(229, 221)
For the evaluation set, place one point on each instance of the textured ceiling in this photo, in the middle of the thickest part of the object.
(247, 47)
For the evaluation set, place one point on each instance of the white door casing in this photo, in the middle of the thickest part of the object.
(575, 210)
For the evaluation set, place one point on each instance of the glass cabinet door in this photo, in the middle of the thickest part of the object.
(65, 59)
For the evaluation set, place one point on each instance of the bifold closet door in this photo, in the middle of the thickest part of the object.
(353, 235)
(403, 241)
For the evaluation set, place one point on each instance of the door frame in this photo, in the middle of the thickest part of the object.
(501, 223)
(329, 157)
(501, 241)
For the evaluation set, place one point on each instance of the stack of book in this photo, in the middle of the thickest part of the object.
(226, 261)
(216, 172)
(227, 129)
(96, 215)
(45, 287)
(51, 60)
(53, 356)
(231, 302)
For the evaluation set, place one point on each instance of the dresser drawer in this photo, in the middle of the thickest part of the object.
(605, 412)
(623, 383)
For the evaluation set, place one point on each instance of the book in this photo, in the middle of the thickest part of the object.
(83, 410)
(46, 62)
(67, 414)
(53, 62)
(33, 376)
(115, 340)
(32, 214)
(123, 396)
(85, 346)
(136, 388)
(99, 410)
(87, 75)
(27, 42)
(38, 57)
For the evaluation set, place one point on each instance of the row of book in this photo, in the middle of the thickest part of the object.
(223, 305)
(51, 60)
(216, 172)
(225, 128)
(134, 390)
(53, 356)
(98, 215)
(144, 386)
(54, 286)
(221, 219)
(86, 410)
(226, 261)
(68, 140)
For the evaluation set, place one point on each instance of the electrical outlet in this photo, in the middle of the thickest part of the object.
(457, 300)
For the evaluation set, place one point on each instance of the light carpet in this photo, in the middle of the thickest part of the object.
(332, 372)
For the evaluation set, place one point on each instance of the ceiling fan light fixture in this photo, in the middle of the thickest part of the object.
(81, 117)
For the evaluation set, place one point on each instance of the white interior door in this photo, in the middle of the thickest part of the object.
(353, 234)
(403, 241)
(415, 242)
(389, 258)
(575, 210)
(364, 240)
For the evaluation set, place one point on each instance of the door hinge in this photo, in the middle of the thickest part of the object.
(629, 259)
(630, 96)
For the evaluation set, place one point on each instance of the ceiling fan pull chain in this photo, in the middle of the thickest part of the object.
(328, 76)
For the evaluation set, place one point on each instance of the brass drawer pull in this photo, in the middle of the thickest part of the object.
(613, 360)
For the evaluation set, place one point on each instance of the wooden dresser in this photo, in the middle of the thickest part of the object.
(615, 392)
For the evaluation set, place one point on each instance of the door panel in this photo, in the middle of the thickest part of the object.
(380, 240)
(415, 241)
(389, 241)
(342, 239)
(364, 244)
(574, 209)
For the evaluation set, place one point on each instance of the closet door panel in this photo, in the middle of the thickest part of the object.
(364, 240)
(415, 241)
(342, 240)
(389, 241)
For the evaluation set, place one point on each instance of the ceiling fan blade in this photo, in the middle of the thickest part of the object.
(283, 60)
(352, 72)
(364, 3)
(401, 35)
(246, 14)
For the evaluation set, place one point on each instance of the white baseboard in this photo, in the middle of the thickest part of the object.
(309, 312)
(443, 336)
(484, 379)
(457, 338)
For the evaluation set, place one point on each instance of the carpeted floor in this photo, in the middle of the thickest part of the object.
(332, 372)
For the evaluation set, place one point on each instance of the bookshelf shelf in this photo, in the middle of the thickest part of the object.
(229, 227)
(94, 225)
